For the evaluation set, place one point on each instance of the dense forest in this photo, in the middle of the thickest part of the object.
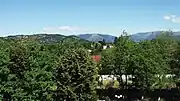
(31, 70)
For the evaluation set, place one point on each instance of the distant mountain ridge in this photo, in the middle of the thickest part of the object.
(135, 37)
(145, 36)
(48, 38)
(53, 38)
(150, 35)
(94, 37)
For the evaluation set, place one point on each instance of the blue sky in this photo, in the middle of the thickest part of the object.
(87, 16)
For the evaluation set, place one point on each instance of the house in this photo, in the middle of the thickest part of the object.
(104, 47)
(107, 46)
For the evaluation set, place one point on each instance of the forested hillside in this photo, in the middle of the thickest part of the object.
(45, 38)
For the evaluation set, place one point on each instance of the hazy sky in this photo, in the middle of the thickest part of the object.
(87, 16)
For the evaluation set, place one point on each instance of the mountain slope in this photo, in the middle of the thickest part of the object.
(48, 38)
(94, 37)
(145, 36)
(150, 35)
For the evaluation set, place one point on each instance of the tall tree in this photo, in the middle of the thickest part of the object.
(123, 52)
(76, 75)
(30, 71)
(5, 88)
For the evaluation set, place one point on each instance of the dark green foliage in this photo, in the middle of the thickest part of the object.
(115, 40)
(102, 42)
(30, 75)
(96, 48)
(4, 71)
(147, 61)
(124, 61)
(175, 65)
(28, 70)
(108, 61)
(77, 75)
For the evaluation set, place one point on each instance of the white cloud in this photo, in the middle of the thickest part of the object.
(172, 18)
(65, 30)
(167, 17)
(61, 28)
(176, 20)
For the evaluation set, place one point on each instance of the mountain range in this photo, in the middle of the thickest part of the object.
(135, 37)
(93, 37)
(151, 35)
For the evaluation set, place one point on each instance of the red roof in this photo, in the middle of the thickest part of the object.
(96, 58)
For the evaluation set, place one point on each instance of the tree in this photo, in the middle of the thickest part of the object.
(115, 40)
(96, 48)
(155, 57)
(146, 62)
(18, 65)
(5, 89)
(107, 61)
(76, 75)
(29, 71)
(147, 65)
(120, 63)
(39, 77)
(103, 42)
(174, 63)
